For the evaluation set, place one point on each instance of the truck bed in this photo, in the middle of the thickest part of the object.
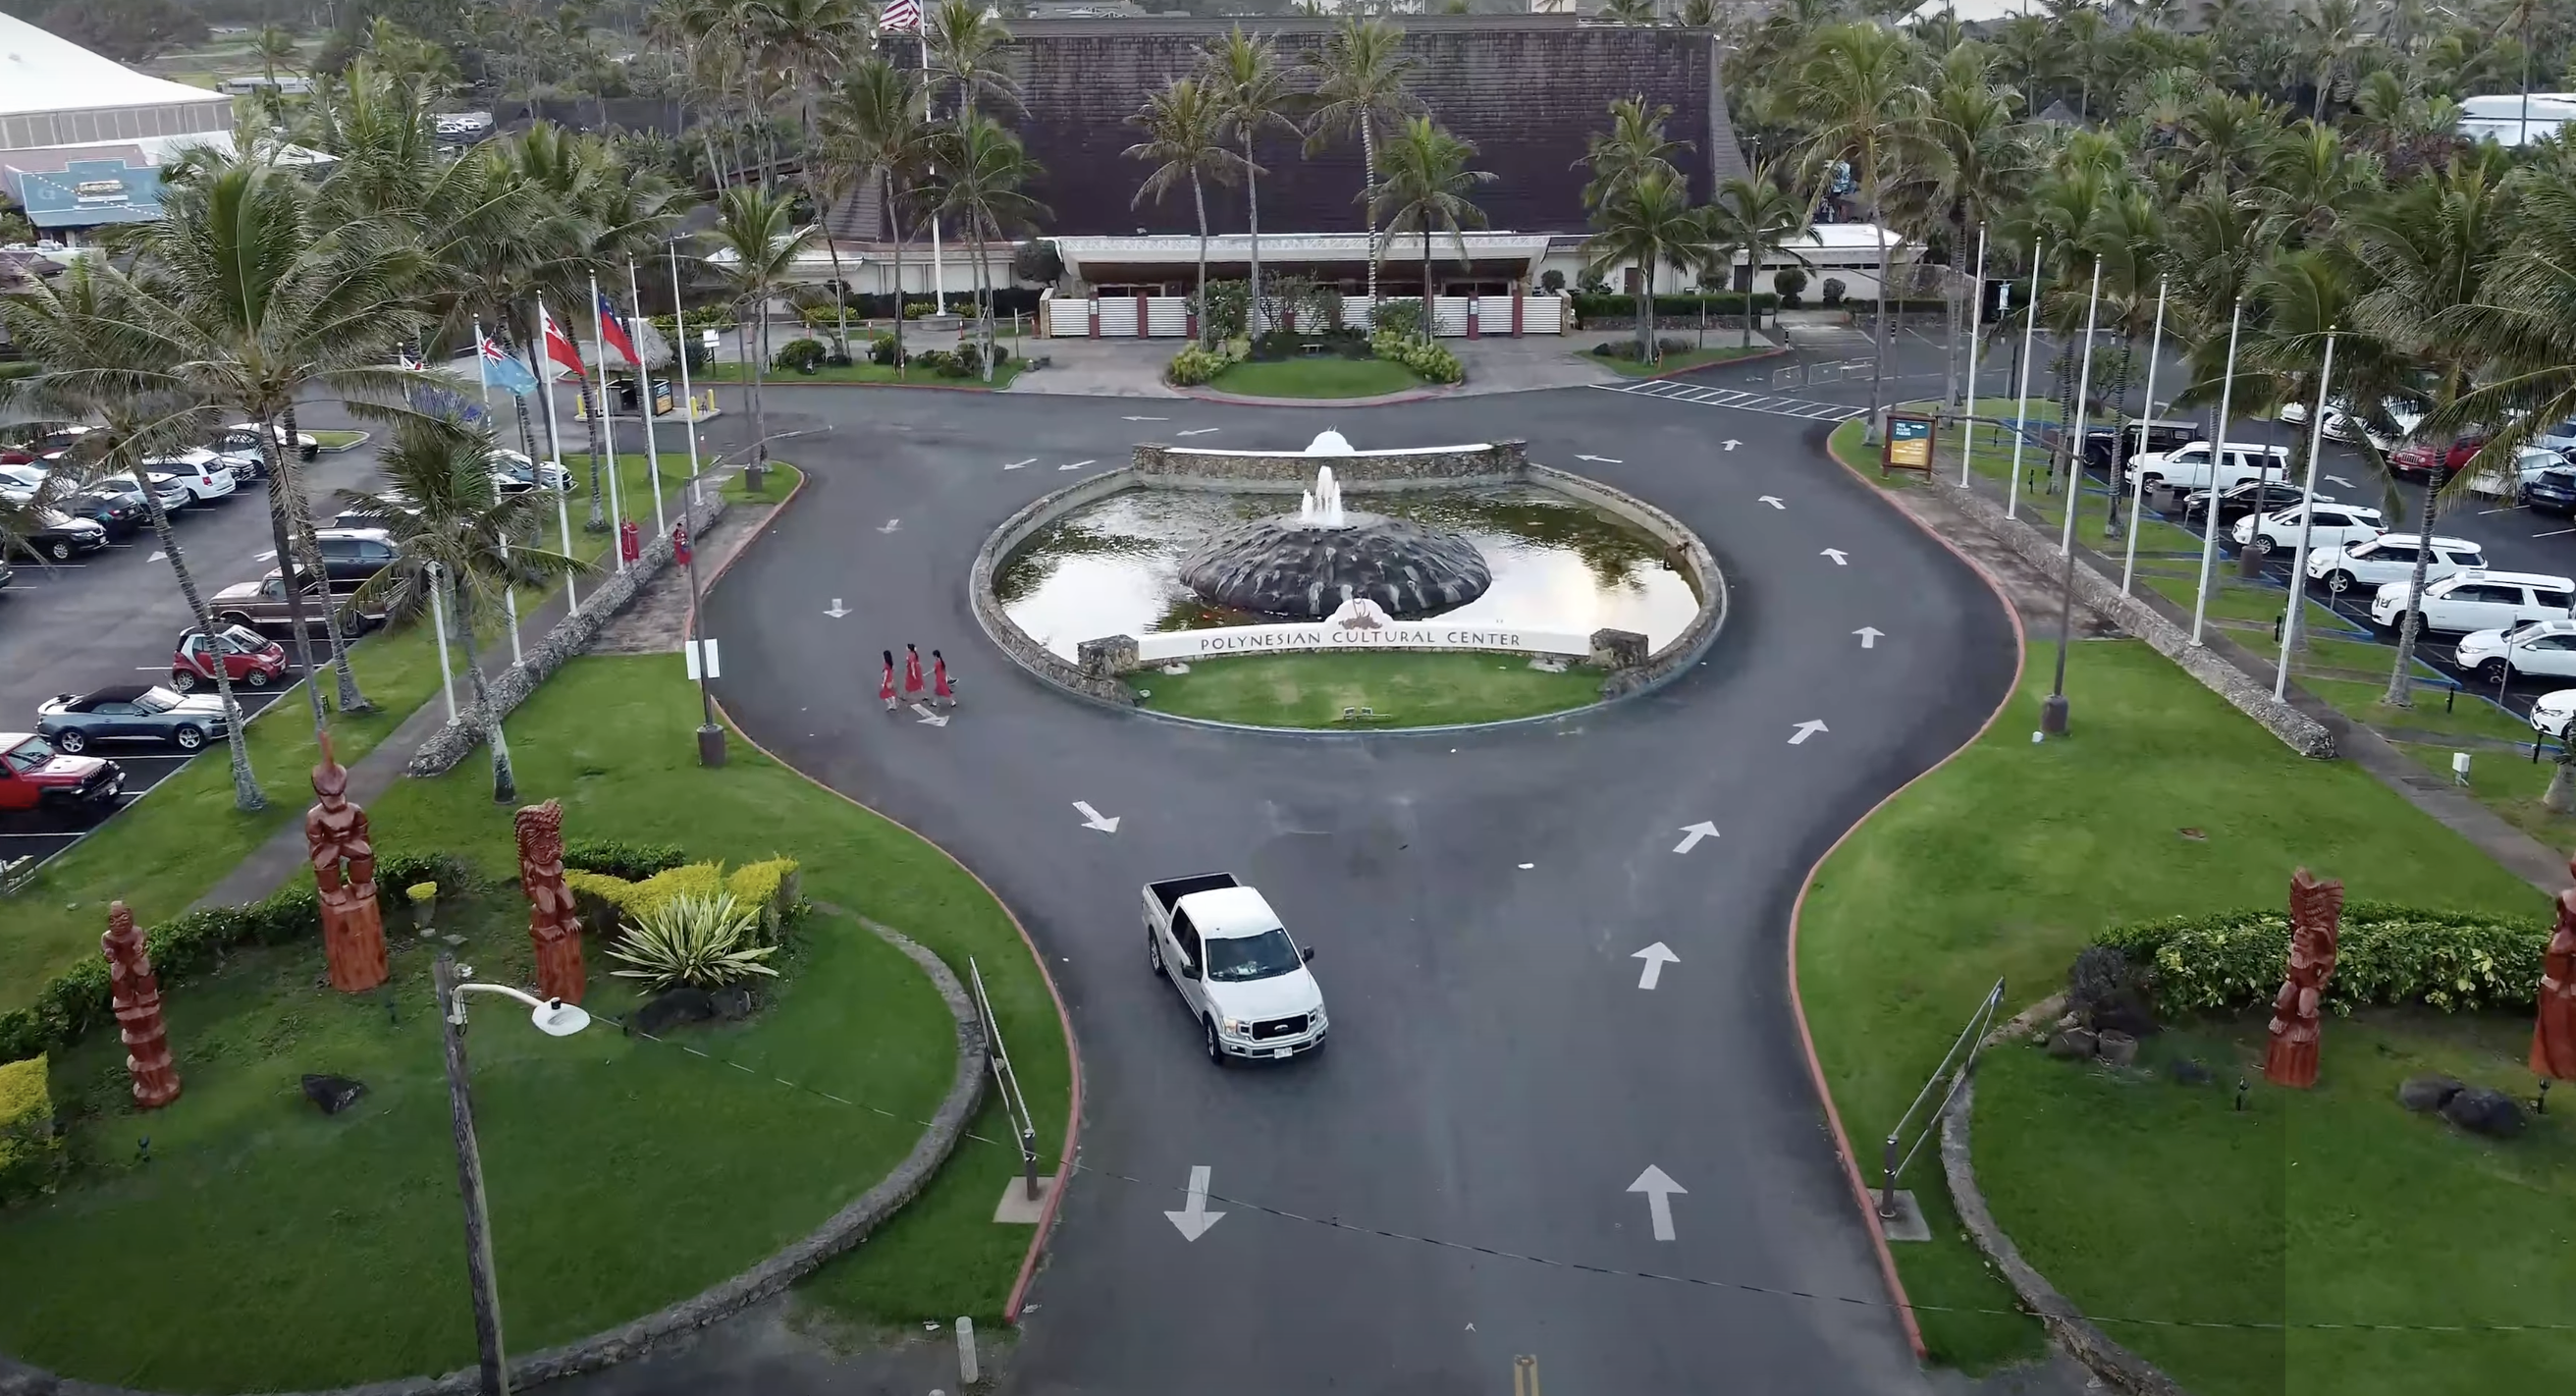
(1170, 891)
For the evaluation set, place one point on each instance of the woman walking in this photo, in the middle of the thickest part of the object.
(941, 694)
(885, 686)
(911, 673)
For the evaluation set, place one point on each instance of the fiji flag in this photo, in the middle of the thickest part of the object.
(506, 373)
(612, 331)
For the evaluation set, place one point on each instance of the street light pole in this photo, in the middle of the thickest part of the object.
(2138, 487)
(469, 1182)
(2052, 712)
(711, 734)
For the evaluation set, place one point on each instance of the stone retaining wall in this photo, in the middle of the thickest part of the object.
(1697, 563)
(2300, 732)
(1004, 632)
(569, 637)
(1360, 472)
(845, 1228)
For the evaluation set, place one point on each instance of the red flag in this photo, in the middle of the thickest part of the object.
(559, 347)
(612, 332)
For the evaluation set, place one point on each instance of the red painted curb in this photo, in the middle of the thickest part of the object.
(1797, 1003)
(1064, 1019)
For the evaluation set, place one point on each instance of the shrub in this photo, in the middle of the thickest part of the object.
(914, 310)
(618, 858)
(938, 361)
(1670, 345)
(1625, 349)
(700, 941)
(1428, 359)
(1591, 283)
(31, 1154)
(1038, 263)
(1832, 294)
(1228, 311)
(881, 350)
(1402, 317)
(799, 356)
(1551, 281)
(2387, 954)
(772, 888)
(1195, 365)
(1788, 282)
(606, 902)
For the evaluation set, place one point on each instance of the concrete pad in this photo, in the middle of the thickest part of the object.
(1017, 1208)
(1908, 1223)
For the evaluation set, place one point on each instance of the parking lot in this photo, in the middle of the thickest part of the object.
(115, 616)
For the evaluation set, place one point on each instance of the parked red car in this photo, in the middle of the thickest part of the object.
(2416, 460)
(249, 658)
(32, 774)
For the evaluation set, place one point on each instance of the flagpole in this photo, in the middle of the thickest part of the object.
(2075, 443)
(2307, 523)
(2138, 482)
(938, 268)
(2217, 457)
(644, 399)
(482, 367)
(1976, 318)
(607, 427)
(554, 443)
(680, 336)
(2021, 395)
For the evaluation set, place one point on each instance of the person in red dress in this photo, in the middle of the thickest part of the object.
(911, 674)
(885, 686)
(941, 694)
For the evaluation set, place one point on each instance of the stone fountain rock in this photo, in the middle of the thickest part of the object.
(1305, 566)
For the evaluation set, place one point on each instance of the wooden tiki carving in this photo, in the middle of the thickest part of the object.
(2553, 1039)
(136, 995)
(2316, 915)
(551, 923)
(344, 869)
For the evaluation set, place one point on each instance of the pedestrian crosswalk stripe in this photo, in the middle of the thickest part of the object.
(1701, 396)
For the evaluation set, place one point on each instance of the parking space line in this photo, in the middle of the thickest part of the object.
(61, 834)
(2555, 533)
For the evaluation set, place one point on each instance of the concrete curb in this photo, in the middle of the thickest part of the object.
(363, 438)
(1756, 356)
(1381, 400)
(845, 1228)
(2075, 1333)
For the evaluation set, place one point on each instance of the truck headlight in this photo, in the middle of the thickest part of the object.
(1235, 1027)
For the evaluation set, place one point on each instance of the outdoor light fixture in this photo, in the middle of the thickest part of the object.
(553, 1017)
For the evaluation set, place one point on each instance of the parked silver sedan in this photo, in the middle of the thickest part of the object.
(130, 712)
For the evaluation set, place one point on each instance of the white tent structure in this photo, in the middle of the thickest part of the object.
(54, 92)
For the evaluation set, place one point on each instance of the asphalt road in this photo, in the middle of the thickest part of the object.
(1497, 1079)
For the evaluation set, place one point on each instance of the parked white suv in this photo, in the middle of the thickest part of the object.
(2478, 600)
(2545, 647)
(2188, 467)
(206, 475)
(2390, 557)
(2336, 526)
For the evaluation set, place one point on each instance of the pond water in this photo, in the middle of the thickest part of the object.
(1113, 568)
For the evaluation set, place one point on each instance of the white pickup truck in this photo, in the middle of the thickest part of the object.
(1236, 970)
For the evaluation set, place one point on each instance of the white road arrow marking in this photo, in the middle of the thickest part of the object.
(1093, 819)
(1656, 957)
(1807, 729)
(1774, 501)
(2337, 479)
(1693, 833)
(1837, 555)
(1869, 636)
(1077, 465)
(891, 525)
(266, 557)
(838, 610)
(1605, 460)
(1021, 464)
(934, 719)
(1730, 443)
(1195, 1219)
(1197, 431)
(156, 557)
(1144, 419)
(1659, 1188)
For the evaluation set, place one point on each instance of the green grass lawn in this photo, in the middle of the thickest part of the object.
(2467, 714)
(1316, 376)
(732, 373)
(2507, 782)
(337, 440)
(1406, 690)
(1676, 363)
(180, 839)
(673, 1172)
(2010, 858)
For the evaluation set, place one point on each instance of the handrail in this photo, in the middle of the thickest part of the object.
(1963, 1051)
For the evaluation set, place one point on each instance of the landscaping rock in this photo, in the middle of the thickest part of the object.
(2074, 1044)
(671, 1008)
(734, 1002)
(333, 1093)
(2116, 1048)
(2482, 1111)
(2422, 1093)
(2189, 1072)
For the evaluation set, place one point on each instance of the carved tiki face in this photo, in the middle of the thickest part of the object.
(540, 829)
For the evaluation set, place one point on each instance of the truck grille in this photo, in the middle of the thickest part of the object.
(1278, 1027)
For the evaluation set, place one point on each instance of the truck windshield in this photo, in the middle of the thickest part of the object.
(1250, 957)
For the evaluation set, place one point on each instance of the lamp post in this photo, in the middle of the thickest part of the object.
(2138, 486)
(2217, 458)
(2021, 394)
(554, 1018)
(2052, 711)
(2307, 527)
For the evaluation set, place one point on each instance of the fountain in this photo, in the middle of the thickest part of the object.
(1306, 566)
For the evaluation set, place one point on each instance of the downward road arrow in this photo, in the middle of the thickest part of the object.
(1144, 419)
(938, 720)
(1092, 818)
(891, 525)
(1197, 431)
(1656, 957)
(1807, 729)
(1659, 1188)
(1837, 554)
(1021, 464)
(1693, 833)
(1077, 465)
(1774, 501)
(156, 556)
(2347, 484)
(1195, 1219)
(1730, 443)
(1869, 636)
(838, 610)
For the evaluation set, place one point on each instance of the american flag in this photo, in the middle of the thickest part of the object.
(900, 17)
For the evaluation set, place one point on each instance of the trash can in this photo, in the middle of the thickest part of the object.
(626, 394)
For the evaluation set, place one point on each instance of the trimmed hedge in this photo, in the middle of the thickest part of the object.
(618, 858)
(1612, 306)
(1428, 358)
(31, 1154)
(2386, 954)
(193, 945)
(607, 903)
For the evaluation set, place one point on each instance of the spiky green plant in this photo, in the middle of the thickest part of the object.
(703, 942)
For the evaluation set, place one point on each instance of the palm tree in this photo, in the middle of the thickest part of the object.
(91, 361)
(967, 53)
(1252, 98)
(1637, 12)
(875, 128)
(1426, 187)
(1971, 158)
(2329, 33)
(275, 49)
(1647, 224)
(755, 242)
(986, 175)
(1634, 144)
(1753, 215)
(1857, 88)
(455, 536)
(1361, 82)
(1184, 138)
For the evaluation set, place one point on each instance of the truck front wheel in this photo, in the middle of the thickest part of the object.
(1216, 1054)
(1154, 955)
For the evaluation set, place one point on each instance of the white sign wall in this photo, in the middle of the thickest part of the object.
(1358, 625)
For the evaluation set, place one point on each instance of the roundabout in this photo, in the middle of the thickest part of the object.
(1519, 1145)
